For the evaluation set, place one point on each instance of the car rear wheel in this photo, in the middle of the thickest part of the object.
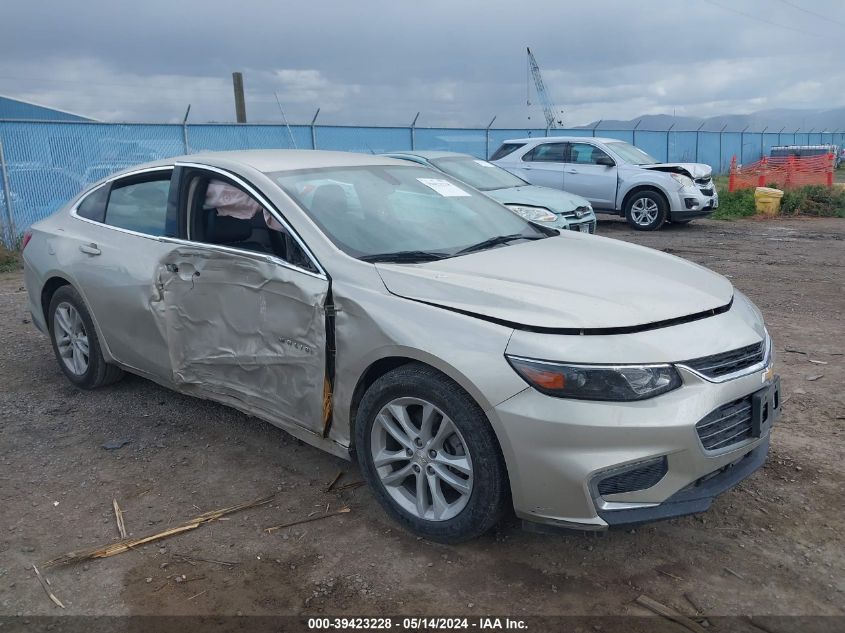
(430, 456)
(646, 210)
(75, 342)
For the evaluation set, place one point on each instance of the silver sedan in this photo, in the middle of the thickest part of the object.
(388, 313)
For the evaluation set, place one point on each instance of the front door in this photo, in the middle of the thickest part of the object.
(583, 175)
(246, 330)
(245, 319)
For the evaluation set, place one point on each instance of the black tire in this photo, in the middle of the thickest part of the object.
(98, 373)
(489, 492)
(647, 198)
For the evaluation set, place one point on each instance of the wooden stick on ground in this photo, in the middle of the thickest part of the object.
(118, 515)
(670, 614)
(349, 486)
(334, 481)
(270, 530)
(127, 544)
(46, 585)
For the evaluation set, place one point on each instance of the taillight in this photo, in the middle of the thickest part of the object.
(26, 237)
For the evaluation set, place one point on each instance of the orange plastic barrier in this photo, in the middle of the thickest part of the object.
(787, 172)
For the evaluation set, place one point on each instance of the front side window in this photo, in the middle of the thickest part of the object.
(380, 210)
(547, 153)
(585, 154)
(140, 204)
(631, 154)
(480, 174)
(224, 214)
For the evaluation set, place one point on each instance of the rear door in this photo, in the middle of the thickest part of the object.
(542, 165)
(113, 250)
(584, 176)
(243, 306)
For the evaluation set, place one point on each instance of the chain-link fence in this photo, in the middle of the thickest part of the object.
(44, 163)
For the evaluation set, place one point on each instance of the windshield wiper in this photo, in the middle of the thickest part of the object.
(497, 241)
(404, 257)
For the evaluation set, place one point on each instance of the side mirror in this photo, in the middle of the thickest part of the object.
(607, 161)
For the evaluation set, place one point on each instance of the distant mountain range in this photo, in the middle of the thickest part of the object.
(774, 120)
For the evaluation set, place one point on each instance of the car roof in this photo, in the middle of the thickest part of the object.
(562, 139)
(270, 160)
(429, 154)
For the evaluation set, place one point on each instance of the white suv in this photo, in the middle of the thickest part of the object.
(615, 177)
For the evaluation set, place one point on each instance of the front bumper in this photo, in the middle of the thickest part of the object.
(687, 204)
(586, 224)
(698, 496)
(556, 449)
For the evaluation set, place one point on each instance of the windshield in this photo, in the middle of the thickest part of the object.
(478, 173)
(375, 211)
(631, 154)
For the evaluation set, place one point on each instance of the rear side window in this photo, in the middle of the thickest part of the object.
(140, 206)
(93, 206)
(547, 153)
(505, 149)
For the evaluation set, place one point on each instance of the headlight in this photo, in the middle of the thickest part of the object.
(685, 181)
(532, 214)
(618, 383)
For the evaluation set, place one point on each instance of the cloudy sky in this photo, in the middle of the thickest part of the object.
(458, 62)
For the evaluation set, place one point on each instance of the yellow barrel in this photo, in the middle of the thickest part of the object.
(767, 200)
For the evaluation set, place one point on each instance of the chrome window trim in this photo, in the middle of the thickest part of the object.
(321, 272)
(111, 179)
(763, 364)
(272, 259)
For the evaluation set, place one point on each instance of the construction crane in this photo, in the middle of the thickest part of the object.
(549, 108)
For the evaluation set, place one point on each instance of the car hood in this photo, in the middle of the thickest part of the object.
(693, 170)
(571, 281)
(553, 199)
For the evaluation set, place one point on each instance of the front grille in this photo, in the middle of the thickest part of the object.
(727, 425)
(726, 363)
(576, 212)
(639, 477)
(704, 182)
(707, 192)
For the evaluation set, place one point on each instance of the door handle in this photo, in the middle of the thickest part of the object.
(90, 249)
(571, 171)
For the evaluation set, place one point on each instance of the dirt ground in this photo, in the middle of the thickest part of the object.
(773, 545)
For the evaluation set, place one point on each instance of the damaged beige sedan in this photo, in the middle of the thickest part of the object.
(469, 360)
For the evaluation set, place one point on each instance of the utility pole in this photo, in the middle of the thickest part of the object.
(240, 102)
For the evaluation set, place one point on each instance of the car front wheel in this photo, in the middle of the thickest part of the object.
(430, 456)
(75, 342)
(646, 210)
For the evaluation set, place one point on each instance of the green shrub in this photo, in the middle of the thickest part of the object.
(9, 260)
(814, 200)
(735, 204)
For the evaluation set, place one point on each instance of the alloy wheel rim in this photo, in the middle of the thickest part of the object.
(71, 338)
(644, 211)
(421, 459)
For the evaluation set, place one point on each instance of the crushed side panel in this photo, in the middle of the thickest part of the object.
(248, 329)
